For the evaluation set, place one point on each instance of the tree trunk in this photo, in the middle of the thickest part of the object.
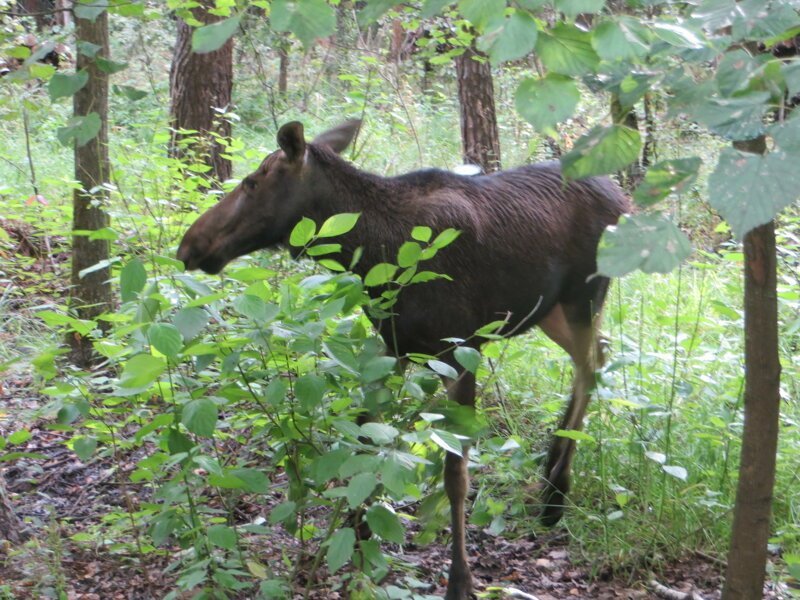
(199, 84)
(90, 295)
(747, 557)
(36, 8)
(479, 137)
(283, 65)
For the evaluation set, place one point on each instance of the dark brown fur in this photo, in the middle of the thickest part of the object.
(526, 255)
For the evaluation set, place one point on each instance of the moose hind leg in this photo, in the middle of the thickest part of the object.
(456, 484)
(576, 332)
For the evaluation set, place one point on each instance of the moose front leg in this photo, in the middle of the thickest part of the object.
(456, 484)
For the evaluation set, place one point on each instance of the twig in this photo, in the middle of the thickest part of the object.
(663, 591)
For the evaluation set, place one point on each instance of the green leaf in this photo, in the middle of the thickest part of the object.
(786, 135)
(384, 522)
(567, 50)
(574, 434)
(303, 232)
(209, 38)
(665, 178)
(443, 369)
(109, 66)
(467, 357)
(141, 371)
(283, 512)
(190, 321)
(359, 488)
(340, 548)
(308, 20)
(623, 38)
(408, 254)
(748, 190)
(19, 437)
(89, 9)
(200, 416)
(309, 390)
(62, 85)
(338, 224)
(132, 279)
(80, 129)
(254, 480)
(130, 92)
(380, 433)
(222, 536)
(603, 150)
(510, 38)
(678, 36)
(431, 8)
(573, 8)
(166, 339)
(543, 102)
(791, 73)
(377, 368)
(446, 441)
(445, 238)
(648, 242)
(255, 308)
(739, 118)
(735, 71)
(380, 274)
(421, 233)
(481, 12)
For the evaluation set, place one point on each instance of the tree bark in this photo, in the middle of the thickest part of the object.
(91, 294)
(11, 526)
(283, 64)
(479, 136)
(199, 84)
(747, 557)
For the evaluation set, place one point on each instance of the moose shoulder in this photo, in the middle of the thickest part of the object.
(526, 255)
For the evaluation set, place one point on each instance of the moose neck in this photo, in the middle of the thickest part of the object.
(340, 187)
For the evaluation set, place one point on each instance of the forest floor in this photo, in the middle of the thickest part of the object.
(64, 500)
(59, 496)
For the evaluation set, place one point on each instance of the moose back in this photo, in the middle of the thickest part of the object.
(526, 255)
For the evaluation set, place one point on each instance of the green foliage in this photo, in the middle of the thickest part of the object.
(209, 38)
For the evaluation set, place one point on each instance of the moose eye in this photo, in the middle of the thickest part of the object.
(250, 183)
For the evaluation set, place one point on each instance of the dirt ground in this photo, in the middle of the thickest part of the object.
(59, 496)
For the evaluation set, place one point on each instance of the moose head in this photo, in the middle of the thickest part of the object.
(263, 209)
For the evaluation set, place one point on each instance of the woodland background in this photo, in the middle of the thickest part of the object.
(176, 435)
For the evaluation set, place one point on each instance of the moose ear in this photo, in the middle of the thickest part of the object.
(339, 138)
(292, 141)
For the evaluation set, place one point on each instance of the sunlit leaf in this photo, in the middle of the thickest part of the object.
(648, 242)
(567, 50)
(200, 416)
(308, 20)
(384, 522)
(603, 150)
(546, 101)
(748, 190)
(340, 548)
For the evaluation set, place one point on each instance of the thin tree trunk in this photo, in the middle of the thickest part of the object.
(479, 136)
(747, 557)
(90, 295)
(283, 65)
(199, 84)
